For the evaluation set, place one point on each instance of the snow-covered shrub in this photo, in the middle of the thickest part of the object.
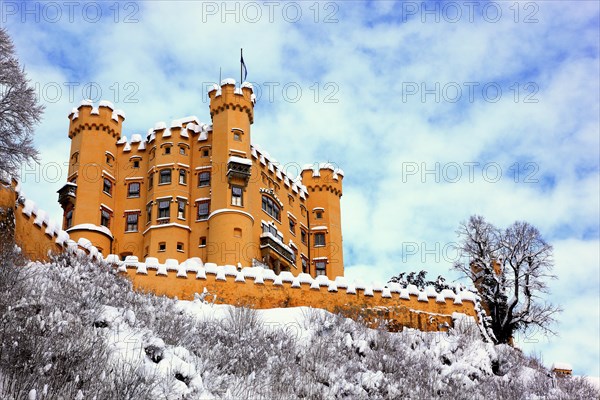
(75, 329)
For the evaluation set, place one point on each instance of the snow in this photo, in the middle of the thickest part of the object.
(228, 81)
(61, 237)
(562, 365)
(240, 160)
(106, 103)
(160, 125)
(91, 227)
(41, 218)
(29, 207)
(193, 349)
(135, 138)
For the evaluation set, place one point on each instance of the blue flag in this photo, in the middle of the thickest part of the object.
(243, 69)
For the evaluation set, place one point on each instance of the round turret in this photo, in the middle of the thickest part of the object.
(325, 177)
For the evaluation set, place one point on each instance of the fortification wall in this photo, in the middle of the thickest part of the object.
(261, 288)
(256, 287)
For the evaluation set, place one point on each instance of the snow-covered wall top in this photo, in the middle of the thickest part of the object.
(52, 230)
(116, 113)
(194, 268)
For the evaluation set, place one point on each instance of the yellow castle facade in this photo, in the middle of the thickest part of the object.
(192, 190)
(196, 208)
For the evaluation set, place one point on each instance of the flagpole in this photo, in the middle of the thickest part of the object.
(241, 58)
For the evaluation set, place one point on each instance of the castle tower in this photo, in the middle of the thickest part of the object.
(324, 186)
(88, 198)
(230, 223)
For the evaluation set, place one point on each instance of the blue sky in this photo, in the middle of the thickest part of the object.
(433, 116)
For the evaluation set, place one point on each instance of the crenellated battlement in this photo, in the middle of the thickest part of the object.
(263, 288)
(272, 166)
(228, 96)
(323, 177)
(104, 117)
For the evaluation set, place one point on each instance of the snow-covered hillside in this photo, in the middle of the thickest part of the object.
(75, 329)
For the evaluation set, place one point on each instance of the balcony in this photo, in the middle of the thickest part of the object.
(239, 169)
(269, 244)
(67, 194)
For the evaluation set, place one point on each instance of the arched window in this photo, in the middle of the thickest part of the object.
(182, 177)
(271, 207)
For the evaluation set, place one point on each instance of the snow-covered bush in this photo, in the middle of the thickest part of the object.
(75, 329)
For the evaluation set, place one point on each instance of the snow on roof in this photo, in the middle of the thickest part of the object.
(239, 160)
(228, 81)
(317, 167)
(106, 103)
(91, 227)
(135, 138)
(562, 365)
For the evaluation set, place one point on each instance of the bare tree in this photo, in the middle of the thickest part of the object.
(19, 111)
(510, 269)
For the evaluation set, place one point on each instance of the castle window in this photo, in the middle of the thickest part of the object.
(136, 164)
(148, 213)
(74, 158)
(182, 177)
(181, 209)
(272, 229)
(167, 150)
(180, 246)
(132, 222)
(105, 218)
(319, 239)
(165, 177)
(164, 209)
(204, 179)
(162, 246)
(237, 137)
(203, 209)
(237, 232)
(182, 150)
(303, 236)
(319, 215)
(152, 153)
(133, 190)
(304, 261)
(236, 196)
(205, 152)
(110, 159)
(270, 207)
(107, 186)
(69, 219)
(150, 181)
(293, 226)
(320, 267)
(202, 241)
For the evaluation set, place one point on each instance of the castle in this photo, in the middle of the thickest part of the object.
(207, 212)
(196, 190)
